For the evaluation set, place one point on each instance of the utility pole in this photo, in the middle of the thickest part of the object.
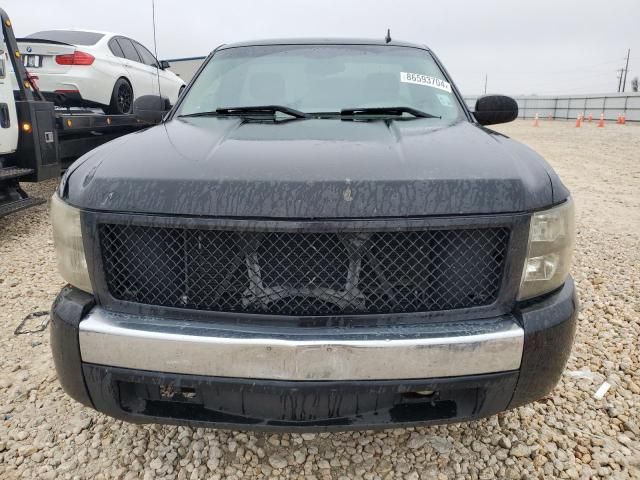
(485, 83)
(619, 71)
(626, 69)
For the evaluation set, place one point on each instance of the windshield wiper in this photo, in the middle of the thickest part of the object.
(262, 110)
(396, 111)
(271, 110)
(199, 114)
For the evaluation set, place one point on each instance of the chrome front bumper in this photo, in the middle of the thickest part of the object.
(202, 348)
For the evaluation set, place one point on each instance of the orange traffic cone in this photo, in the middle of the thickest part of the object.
(601, 122)
(623, 120)
(578, 120)
(590, 118)
(619, 120)
(535, 121)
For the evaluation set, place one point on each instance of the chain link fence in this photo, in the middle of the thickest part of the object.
(569, 107)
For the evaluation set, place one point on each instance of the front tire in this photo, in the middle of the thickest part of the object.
(121, 98)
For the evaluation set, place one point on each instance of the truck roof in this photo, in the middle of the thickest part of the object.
(324, 41)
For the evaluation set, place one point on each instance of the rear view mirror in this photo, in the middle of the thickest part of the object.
(164, 64)
(151, 108)
(493, 109)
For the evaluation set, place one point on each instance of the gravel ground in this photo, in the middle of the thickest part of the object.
(568, 434)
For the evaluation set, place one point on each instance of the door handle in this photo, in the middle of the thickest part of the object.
(5, 119)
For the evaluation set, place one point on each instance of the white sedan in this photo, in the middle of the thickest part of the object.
(95, 69)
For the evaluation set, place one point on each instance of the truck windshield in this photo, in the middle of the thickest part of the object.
(322, 79)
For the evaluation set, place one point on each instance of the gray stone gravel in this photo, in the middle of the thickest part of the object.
(568, 434)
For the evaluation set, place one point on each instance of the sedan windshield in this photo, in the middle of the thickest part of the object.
(324, 79)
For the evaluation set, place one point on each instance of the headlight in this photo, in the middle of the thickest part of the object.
(67, 238)
(551, 238)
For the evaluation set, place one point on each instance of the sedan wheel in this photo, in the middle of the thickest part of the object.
(121, 98)
(125, 98)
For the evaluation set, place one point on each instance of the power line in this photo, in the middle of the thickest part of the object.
(578, 70)
(533, 83)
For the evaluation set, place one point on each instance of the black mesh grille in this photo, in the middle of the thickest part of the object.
(304, 274)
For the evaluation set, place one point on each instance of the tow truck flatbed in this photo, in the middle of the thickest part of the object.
(73, 123)
(79, 133)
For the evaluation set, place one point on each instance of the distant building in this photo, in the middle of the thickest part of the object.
(185, 68)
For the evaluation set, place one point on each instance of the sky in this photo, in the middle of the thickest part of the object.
(522, 46)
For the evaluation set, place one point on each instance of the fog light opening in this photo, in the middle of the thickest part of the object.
(421, 396)
(172, 392)
(425, 393)
(187, 392)
(167, 391)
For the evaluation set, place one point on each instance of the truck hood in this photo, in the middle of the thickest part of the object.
(229, 167)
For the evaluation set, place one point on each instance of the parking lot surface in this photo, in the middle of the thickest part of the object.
(568, 434)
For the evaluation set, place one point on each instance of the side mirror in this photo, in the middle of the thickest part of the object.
(493, 109)
(164, 64)
(151, 108)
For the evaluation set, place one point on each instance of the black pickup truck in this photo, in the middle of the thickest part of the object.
(319, 235)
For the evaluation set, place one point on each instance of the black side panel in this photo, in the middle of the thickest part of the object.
(67, 311)
(38, 148)
(549, 330)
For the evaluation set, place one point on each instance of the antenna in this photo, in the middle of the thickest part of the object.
(155, 45)
(388, 37)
